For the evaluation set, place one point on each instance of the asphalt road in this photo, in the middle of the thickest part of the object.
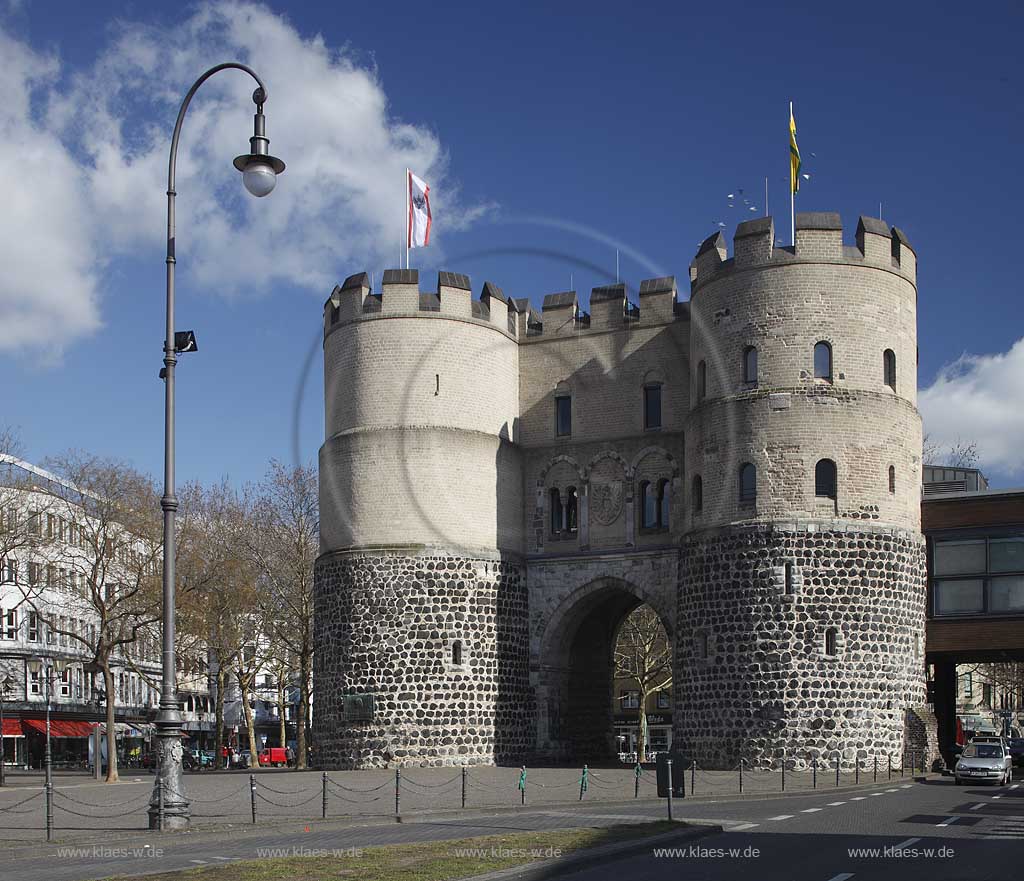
(806, 837)
(934, 831)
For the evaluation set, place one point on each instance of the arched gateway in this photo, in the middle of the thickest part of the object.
(573, 669)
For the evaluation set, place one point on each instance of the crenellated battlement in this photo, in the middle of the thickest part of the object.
(560, 315)
(819, 239)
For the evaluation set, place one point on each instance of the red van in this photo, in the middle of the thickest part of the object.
(275, 756)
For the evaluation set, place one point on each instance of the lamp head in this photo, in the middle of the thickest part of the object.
(259, 169)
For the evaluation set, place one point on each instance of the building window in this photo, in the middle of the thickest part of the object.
(65, 682)
(9, 572)
(986, 694)
(892, 478)
(34, 680)
(9, 624)
(789, 578)
(34, 573)
(748, 482)
(648, 506)
(968, 685)
(825, 479)
(750, 365)
(556, 512)
(457, 653)
(823, 361)
(33, 627)
(831, 642)
(630, 700)
(664, 503)
(697, 493)
(889, 368)
(563, 416)
(652, 406)
(664, 700)
(702, 381)
(571, 508)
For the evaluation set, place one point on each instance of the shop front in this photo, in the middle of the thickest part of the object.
(69, 742)
(13, 743)
(627, 734)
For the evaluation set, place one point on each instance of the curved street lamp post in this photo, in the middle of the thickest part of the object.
(259, 174)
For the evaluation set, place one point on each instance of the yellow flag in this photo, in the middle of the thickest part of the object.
(794, 155)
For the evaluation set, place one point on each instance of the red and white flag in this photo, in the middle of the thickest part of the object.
(419, 212)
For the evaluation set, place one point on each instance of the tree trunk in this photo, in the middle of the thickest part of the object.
(641, 747)
(108, 683)
(302, 760)
(280, 712)
(218, 761)
(254, 753)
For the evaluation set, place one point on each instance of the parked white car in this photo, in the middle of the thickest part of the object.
(984, 763)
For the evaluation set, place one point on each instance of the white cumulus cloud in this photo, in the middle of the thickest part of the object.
(90, 146)
(980, 398)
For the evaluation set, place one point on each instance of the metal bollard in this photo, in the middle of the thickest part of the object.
(741, 775)
(856, 770)
(837, 769)
(252, 796)
(583, 782)
(668, 765)
(693, 775)
(888, 762)
(924, 760)
(814, 773)
(463, 785)
(398, 786)
(323, 812)
(875, 778)
(522, 785)
(783, 770)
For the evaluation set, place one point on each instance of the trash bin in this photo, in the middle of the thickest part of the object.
(679, 766)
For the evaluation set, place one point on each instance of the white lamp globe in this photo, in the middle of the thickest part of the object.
(259, 178)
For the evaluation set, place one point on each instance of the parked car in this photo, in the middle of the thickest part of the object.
(273, 756)
(984, 762)
(1016, 747)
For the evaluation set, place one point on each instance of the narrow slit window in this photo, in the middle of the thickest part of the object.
(563, 416)
(831, 642)
(825, 479)
(652, 406)
(697, 493)
(889, 368)
(823, 361)
(702, 381)
(748, 482)
(457, 653)
(750, 365)
(789, 579)
(556, 512)
(892, 479)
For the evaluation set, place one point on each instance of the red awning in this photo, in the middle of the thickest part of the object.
(12, 728)
(62, 727)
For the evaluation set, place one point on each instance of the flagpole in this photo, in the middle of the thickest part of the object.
(792, 190)
(408, 184)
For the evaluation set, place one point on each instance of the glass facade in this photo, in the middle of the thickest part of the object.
(978, 575)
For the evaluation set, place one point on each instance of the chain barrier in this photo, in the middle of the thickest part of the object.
(355, 801)
(88, 804)
(386, 783)
(211, 801)
(406, 780)
(10, 808)
(276, 804)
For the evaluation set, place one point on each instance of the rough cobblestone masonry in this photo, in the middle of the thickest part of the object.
(501, 486)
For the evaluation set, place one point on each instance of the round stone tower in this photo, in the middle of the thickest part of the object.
(801, 607)
(421, 605)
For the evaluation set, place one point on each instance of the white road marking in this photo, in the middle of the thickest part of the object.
(743, 826)
(907, 786)
(810, 810)
(198, 862)
(1015, 785)
(996, 796)
(892, 790)
(835, 804)
(842, 876)
(226, 859)
(978, 806)
(782, 817)
(905, 844)
(947, 821)
(857, 798)
(875, 794)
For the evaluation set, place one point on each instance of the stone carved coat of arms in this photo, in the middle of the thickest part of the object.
(606, 501)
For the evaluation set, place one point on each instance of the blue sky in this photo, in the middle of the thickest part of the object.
(542, 131)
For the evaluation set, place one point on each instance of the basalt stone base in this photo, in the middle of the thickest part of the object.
(440, 641)
(798, 641)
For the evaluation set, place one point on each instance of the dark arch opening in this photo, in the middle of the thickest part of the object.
(579, 691)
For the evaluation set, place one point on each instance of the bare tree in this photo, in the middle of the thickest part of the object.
(958, 454)
(284, 511)
(643, 655)
(102, 542)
